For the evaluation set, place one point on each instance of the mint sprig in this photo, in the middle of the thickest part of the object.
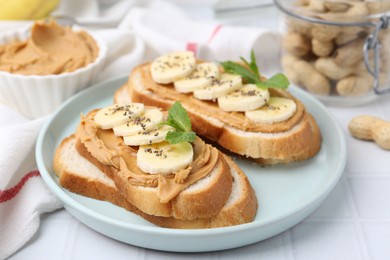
(179, 119)
(251, 73)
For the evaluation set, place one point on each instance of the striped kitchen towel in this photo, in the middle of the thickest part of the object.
(23, 195)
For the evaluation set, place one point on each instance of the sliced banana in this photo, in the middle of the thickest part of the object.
(164, 157)
(201, 77)
(225, 85)
(173, 66)
(249, 97)
(149, 120)
(277, 109)
(148, 137)
(115, 115)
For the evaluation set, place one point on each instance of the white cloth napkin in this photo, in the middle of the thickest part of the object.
(149, 28)
(166, 29)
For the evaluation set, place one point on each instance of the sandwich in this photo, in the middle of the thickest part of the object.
(153, 165)
(230, 104)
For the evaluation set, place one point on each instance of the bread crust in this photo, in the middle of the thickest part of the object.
(241, 210)
(286, 148)
(296, 139)
(187, 205)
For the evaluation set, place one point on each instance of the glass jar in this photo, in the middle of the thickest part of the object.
(339, 51)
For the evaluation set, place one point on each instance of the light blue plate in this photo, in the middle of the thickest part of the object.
(287, 194)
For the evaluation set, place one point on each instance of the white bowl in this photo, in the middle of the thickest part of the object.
(35, 95)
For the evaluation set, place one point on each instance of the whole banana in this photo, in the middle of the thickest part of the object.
(26, 9)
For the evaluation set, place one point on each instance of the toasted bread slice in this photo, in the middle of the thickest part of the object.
(79, 175)
(295, 139)
(199, 198)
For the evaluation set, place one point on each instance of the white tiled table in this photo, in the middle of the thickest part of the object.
(352, 223)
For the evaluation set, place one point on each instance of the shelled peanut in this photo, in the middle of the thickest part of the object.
(328, 59)
(371, 128)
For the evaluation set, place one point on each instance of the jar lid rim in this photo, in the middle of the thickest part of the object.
(288, 7)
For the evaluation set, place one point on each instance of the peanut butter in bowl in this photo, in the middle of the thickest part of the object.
(51, 49)
(42, 67)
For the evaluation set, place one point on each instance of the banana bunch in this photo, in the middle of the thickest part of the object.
(141, 126)
(206, 82)
(26, 9)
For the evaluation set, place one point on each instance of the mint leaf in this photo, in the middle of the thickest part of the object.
(252, 65)
(178, 118)
(250, 72)
(235, 68)
(175, 137)
(277, 81)
(246, 62)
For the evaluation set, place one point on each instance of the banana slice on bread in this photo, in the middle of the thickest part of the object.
(164, 157)
(148, 136)
(148, 120)
(203, 76)
(219, 88)
(114, 115)
(277, 109)
(247, 98)
(173, 66)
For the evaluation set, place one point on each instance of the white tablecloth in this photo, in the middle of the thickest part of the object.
(352, 223)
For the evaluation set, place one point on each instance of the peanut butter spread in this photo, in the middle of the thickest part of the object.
(110, 149)
(238, 120)
(51, 49)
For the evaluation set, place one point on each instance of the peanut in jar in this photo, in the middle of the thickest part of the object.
(339, 51)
